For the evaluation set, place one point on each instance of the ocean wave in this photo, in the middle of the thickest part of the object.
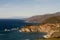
(27, 39)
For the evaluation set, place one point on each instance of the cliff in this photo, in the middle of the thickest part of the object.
(51, 26)
(52, 30)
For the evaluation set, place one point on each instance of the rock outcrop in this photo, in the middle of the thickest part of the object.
(52, 30)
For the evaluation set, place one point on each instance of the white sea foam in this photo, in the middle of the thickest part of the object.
(6, 30)
(20, 31)
(27, 39)
(46, 36)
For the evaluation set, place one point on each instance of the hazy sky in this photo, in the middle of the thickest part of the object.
(11, 8)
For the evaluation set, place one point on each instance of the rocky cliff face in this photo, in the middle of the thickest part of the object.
(52, 30)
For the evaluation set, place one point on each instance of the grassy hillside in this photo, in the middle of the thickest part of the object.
(41, 18)
(55, 19)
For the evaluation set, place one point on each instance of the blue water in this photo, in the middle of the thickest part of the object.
(16, 35)
(11, 23)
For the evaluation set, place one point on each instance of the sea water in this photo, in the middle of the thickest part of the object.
(15, 34)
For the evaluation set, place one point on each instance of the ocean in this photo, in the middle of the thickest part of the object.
(15, 34)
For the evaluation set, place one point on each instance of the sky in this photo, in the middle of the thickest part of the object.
(27, 8)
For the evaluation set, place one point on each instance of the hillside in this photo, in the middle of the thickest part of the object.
(54, 19)
(41, 18)
(50, 25)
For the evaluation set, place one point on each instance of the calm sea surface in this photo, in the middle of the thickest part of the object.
(16, 35)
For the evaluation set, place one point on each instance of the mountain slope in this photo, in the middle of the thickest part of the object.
(54, 19)
(41, 18)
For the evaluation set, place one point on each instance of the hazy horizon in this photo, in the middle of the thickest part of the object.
(27, 8)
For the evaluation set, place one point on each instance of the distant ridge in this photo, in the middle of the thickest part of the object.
(41, 18)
